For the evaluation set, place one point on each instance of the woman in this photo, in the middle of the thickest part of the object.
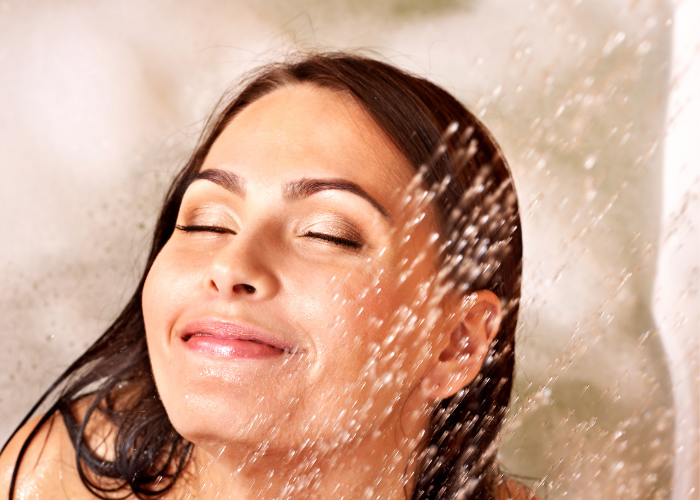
(328, 309)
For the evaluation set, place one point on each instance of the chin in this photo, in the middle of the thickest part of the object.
(208, 419)
(245, 424)
(222, 402)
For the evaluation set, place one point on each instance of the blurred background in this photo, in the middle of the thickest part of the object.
(595, 103)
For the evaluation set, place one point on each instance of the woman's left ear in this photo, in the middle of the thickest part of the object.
(461, 359)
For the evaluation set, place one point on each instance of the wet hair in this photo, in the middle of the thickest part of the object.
(465, 175)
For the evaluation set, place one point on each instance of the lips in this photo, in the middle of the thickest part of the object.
(233, 340)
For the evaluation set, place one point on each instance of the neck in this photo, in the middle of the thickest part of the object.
(355, 470)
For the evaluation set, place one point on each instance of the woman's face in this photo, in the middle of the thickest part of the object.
(295, 302)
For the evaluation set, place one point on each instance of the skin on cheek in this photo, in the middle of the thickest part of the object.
(155, 302)
(165, 288)
(385, 344)
(168, 288)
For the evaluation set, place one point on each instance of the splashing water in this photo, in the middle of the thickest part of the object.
(592, 411)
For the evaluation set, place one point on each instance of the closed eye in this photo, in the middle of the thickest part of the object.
(205, 229)
(335, 240)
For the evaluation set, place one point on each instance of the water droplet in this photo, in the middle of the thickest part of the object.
(590, 161)
(613, 42)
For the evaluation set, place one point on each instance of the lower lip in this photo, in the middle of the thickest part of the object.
(231, 348)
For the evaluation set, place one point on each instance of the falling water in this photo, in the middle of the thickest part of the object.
(575, 91)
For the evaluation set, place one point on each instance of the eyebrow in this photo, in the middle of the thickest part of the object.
(302, 188)
(225, 179)
(292, 191)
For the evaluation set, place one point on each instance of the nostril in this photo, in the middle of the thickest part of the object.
(243, 288)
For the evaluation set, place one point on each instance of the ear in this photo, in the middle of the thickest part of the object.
(461, 358)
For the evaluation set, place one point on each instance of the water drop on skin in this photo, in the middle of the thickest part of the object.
(590, 161)
(590, 191)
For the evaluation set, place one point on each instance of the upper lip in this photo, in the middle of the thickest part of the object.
(234, 331)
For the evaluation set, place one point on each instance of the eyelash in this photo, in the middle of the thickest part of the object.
(209, 229)
(335, 240)
(325, 237)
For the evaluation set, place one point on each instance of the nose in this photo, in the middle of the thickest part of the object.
(242, 269)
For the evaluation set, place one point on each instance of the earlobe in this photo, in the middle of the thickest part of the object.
(461, 358)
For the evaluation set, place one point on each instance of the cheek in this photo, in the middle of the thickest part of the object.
(374, 356)
(378, 328)
(156, 306)
(399, 319)
(166, 290)
(156, 296)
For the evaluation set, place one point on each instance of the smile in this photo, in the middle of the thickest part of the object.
(219, 338)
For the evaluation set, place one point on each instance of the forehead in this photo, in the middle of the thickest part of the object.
(306, 131)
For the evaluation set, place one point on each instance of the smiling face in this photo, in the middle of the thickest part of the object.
(293, 301)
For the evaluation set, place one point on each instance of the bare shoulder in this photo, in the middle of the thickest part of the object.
(48, 468)
(510, 489)
(42, 463)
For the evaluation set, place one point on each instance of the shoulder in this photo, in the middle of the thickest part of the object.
(48, 469)
(510, 489)
(41, 464)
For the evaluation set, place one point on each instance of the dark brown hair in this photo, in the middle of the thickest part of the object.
(460, 164)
